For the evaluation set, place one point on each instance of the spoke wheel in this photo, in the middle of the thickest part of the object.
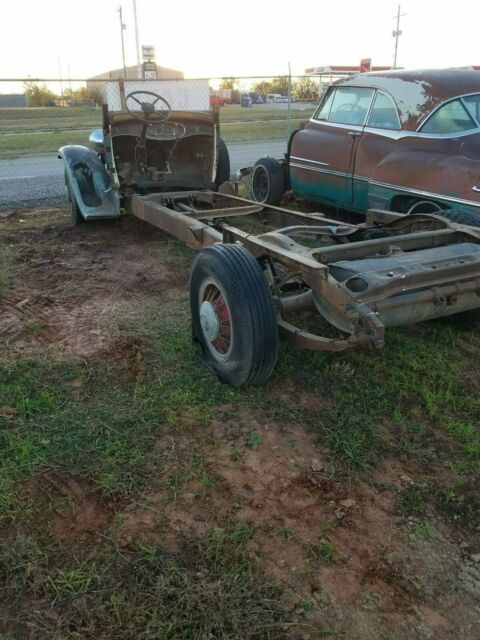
(215, 318)
(234, 320)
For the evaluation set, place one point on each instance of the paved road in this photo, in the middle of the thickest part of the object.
(37, 180)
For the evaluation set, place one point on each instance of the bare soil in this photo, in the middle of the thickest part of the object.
(383, 579)
(78, 279)
(346, 557)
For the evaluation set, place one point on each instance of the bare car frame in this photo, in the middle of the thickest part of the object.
(258, 265)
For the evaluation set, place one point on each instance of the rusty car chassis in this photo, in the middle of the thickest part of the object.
(392, 269)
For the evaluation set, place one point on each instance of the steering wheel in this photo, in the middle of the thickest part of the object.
(350, 106)
(148, 112)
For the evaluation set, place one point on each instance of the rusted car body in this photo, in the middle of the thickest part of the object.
(142, 148)
(401, 140)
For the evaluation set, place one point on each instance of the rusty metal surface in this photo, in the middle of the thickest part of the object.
(411, 268)
(416, 93)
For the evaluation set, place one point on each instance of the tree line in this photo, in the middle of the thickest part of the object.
(303, 88)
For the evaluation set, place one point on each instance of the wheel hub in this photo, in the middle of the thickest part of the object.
(209, 321)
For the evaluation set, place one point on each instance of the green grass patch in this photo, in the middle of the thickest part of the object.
(44, 130)
(208, 590)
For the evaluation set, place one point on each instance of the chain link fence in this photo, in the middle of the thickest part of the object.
(38, 116)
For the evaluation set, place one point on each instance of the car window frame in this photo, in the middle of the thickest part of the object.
(454, 134)
(390, 97)
(333, 89)
(330, 90)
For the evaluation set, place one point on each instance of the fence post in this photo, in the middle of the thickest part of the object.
(289, 124)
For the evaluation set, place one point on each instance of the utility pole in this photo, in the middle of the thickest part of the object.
(60, 74)
(122, 28)
(396, 34)
(139, 68)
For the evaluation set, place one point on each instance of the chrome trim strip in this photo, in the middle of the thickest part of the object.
(326, 164)
(394, 134)
(318, 170)
(419, 192)
(376, 183)
(397, 135)
(442, 136)
(350, 127)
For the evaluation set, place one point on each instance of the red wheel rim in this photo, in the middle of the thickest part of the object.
(223, 336)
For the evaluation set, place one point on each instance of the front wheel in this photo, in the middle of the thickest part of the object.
(233, 315)
(223, 164)
(75, 213)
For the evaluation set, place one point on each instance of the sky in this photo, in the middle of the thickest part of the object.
(214, 38)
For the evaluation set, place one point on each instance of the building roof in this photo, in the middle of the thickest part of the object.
(163, 73)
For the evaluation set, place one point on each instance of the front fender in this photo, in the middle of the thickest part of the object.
(90, 183)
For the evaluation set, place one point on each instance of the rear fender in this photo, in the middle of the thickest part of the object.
(90, 183)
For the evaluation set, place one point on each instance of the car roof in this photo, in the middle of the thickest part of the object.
(418, 93)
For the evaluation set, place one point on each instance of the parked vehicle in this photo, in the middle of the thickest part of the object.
(220, 97)
(217, 101)
(144, 148)
(404, 141)
(258, 264)
(256, 97)
(272, 97)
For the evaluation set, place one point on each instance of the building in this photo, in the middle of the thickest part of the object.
(13, 101)
(162, 73)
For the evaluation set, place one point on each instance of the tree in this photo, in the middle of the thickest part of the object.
(305, 89)
(96, 94)
(228, 83)
(39, 95)
(263, 87)
(280, 85)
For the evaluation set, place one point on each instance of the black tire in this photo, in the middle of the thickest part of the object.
(75, 213)
(268, 182)
(231, 300)
(461, 217)
(223, 164)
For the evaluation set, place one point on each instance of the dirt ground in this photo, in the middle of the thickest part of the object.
(350, 562)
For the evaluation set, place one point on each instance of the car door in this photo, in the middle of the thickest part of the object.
(322, 155)
(439, 163)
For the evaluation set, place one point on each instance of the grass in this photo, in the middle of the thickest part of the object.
(208, 590)
(6, 259)
(44, 130)
(414, 402)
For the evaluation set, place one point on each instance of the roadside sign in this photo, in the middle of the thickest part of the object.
(148, 52)
(365, 65)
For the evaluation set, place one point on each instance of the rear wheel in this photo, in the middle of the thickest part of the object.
(268, 181)
(233, 315)
(461, 217)
(424, 206)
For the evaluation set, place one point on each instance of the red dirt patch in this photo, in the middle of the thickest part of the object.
(73, 507)
(79, 278)
(342, 548)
